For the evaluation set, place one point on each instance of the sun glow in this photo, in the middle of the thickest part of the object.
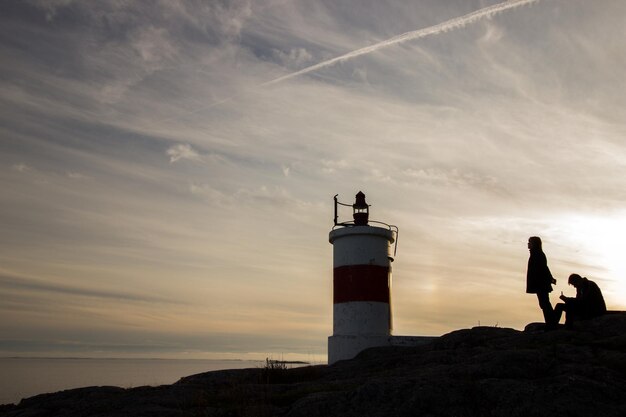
(601, 244)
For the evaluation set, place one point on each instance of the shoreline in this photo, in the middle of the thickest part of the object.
(472, 372)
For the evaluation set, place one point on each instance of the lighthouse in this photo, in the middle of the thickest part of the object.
(362, 257)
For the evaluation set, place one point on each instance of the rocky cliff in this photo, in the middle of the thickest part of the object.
(484, 371)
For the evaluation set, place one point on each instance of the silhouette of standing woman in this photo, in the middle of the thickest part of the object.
(539, 279)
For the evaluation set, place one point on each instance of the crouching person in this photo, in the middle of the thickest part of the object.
(587, 304)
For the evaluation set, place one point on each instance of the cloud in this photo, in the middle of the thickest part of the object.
(154, 46)
(493, 33)
(449, 178)
(51, 7)
(77, 175)
(23, 283)
(21, 167)
(295, 58)
(211, 194)
(331, 166)
(182, 151)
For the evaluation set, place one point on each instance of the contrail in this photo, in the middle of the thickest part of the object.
(455, 23)
(451, 24)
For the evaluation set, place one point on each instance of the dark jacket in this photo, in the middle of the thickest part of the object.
(538, 276)
(589, 302)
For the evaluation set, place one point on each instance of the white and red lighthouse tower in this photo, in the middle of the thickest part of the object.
(362, 259)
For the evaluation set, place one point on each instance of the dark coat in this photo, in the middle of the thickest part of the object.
(538, 276)
(589, 302)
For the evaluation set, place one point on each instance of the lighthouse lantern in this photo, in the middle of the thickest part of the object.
(360, 210)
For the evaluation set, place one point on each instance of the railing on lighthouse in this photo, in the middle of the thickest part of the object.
(362, 257)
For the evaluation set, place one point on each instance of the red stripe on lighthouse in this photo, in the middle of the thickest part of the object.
(361, 283)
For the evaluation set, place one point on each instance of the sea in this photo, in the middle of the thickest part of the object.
(25, 377)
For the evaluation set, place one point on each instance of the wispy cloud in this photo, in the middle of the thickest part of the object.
(24, 283)
(449, 178)
(21, 167)
(182, 151)
(77, 175)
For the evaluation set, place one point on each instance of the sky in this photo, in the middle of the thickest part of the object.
(168, 167)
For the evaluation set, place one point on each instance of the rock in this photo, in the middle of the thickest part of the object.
(484, 371)
(535, 327)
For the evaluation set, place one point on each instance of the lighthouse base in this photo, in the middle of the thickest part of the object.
(342, 347)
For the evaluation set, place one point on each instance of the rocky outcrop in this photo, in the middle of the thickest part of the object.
(484, 371)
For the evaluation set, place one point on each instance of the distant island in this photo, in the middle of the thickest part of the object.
(286, 362)
(483, 371)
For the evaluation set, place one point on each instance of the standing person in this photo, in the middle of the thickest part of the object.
(588, 303)
(539, 280)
